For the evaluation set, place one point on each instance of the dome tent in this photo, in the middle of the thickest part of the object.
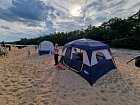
(89, 58)
(46, 47)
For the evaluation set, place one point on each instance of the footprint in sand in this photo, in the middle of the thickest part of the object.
(14, 90)
(104, 99)
(83, 94)
(102, 91)
(1, 93)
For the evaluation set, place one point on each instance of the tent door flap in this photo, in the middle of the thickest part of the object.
(67, 57)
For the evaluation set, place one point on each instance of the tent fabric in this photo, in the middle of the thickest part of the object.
(87, 44)
(104, 52)
(43, 52)
(93, 73)
(94, 62)
(46, 47)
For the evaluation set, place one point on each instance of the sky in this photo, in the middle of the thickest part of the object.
(33, 18)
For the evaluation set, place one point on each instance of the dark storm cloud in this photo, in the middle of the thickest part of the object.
(28, 9)
(5, 27)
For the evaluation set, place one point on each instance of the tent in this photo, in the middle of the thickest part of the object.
(89, 58)
(46, 47)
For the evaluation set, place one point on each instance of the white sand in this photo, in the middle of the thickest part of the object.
(35, 81)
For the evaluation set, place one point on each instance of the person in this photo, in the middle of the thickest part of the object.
(9, 48)
(35, 47)
(56, 50)
(3, 44)
(28, 53)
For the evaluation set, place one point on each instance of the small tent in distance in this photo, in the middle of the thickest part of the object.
(46, 47)
(89, 58)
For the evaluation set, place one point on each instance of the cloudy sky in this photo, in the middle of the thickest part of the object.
(32, 18)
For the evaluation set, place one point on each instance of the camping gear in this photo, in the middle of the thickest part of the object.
(89, 58)
(137, 61)
(3, 51)
(60, 66)
(46, 47)
(9, 47)
(21, 46)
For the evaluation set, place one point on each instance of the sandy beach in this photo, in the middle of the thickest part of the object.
(36, 81)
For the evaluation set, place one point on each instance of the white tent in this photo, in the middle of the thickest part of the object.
(46, 47)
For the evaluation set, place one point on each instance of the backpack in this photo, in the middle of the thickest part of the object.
(137, 61)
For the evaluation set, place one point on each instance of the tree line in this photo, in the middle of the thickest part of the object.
(117, 32)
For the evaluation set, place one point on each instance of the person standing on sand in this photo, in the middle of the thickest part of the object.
(35, 47)
(56, 50)
(28, 53)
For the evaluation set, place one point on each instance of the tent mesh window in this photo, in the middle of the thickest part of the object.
(100, 57)
(77, 54)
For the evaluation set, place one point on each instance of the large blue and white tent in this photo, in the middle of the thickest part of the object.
(89, 58)
(46, 47)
